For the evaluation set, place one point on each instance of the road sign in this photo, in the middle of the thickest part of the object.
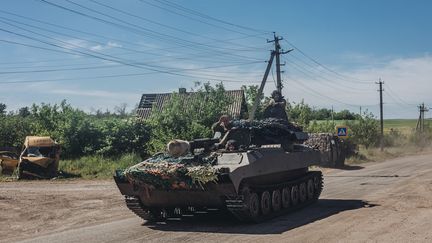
(342, 131)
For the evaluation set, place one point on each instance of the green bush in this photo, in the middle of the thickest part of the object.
(188, 118)
(321, 127)
(364, 130)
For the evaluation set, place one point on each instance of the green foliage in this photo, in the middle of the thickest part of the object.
(24, 112)
(345, 115)
(78, 133)
(322, 114)
(300, 113)
(321, 127)
(365, 130)
(188, 116)
(119, 136)
(2, 109)
(13, 131)
(251, 93)
(98, 166)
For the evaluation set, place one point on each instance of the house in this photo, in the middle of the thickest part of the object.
(155, 102)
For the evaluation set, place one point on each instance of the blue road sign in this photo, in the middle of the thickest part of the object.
(342, 131)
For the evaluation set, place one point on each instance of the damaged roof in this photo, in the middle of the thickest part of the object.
(154, 102)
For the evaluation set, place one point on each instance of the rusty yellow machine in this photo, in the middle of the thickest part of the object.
(8, 160)
(39, 159)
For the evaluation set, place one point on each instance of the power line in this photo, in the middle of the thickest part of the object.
(137, 29)
(111, 66)
(102, 36)
(322, 95)
(111, 76)
(328, 82)
(107, 57)
(326, 68)
(164, 25)
(202, 15)
(315, 68)
(194, 19)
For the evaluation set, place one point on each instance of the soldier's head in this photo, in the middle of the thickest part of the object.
(225, 119)
(276, 95)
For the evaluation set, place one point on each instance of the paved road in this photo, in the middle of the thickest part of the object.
(389, 201)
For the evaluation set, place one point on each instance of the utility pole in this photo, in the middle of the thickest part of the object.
(381, 114)
(274, 53)
(278, 51)
(420, 122)
(261, 88)
(332, 116)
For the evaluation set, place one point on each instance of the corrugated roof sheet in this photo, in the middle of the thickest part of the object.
(150, 102)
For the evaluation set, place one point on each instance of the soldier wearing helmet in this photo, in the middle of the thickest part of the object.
(276, 107)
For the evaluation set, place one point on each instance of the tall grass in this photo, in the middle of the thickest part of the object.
(90, 167)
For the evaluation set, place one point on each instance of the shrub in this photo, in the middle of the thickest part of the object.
(365, 130)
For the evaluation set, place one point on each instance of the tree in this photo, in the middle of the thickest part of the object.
(188, 116)
(251, 93)
(344, 115)
(365, 130)
(24, 112)
(120, 110)
(2, 109)
(300, 113)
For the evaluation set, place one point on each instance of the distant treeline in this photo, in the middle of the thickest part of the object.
(113, 134)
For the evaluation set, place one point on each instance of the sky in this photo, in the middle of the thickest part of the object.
(99, 54)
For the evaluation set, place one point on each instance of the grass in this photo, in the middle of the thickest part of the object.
(376, 155)
(404, 126)
(91, 167)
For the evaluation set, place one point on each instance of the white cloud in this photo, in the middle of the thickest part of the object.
(407, 82)
(73, 44)
(91, 93)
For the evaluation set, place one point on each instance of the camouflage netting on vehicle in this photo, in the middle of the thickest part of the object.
(267, 125)
(165, 172)
(267, 131)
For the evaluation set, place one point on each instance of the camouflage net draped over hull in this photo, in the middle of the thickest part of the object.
(266, 131)
(267, 125)
(165, 172)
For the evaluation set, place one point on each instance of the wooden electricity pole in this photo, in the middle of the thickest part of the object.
(381, 114)
(420, 122)
(274, 53)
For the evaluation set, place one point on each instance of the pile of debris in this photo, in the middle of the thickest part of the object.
(320, 141)
(163, 171)
(331, 147)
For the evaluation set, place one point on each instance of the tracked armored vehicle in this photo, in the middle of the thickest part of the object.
(260, 171)
(254, 183)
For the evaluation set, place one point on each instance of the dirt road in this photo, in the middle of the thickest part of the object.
(380, 202)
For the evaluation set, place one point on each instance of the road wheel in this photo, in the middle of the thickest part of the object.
(294, 195)
(317, 183)
(252, 202)
(276, 200)
(265, 203)
(302, 192)
(310, 189)
(286, 196)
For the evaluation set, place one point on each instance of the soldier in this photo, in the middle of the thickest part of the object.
(222, 126)
(276, 107)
